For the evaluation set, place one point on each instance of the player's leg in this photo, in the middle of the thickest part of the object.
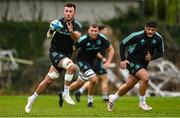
(132, 80)
(87, 74)
(71, 68)
(143, 75)
(91, 86)
(104, 86)
(79, 92)
(52, 74)
(101, 72)
(75, 85)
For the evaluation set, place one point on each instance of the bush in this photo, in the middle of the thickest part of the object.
(26, 37)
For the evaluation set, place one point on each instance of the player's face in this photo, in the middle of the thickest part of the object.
(69, 13)
(150, 31)
(93, 32)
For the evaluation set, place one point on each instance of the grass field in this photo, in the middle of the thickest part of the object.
(47, 106)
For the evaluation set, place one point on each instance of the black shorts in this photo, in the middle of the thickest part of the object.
(86, 70)
(135, 66)
(84, 66)
(55, 57)
(98, 67)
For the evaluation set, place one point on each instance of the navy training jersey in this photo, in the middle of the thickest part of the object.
(62, 41)
(138, 43)
(89, 48)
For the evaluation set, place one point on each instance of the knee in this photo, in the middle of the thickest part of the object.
(145, 79)
(68, 65)
(93, 81)
(105, 81)
(80, 83)
(72, 68)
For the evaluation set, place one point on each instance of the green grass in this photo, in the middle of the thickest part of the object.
(47, 106)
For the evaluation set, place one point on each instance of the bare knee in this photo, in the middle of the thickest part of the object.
(72, 68)
(145, 79)
(143, 75)
(68, 64)
(93, 81)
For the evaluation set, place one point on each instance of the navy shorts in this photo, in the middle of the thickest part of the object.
(135, 66)
(98, 67)
(55, 57)
(86, 70)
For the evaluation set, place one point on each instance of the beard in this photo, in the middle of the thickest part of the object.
(149, 35)
(68, 20)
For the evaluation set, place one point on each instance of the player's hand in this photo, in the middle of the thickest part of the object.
(106, 64)
(69, 26)
(104, 60)
(148, 56)
(123, 64)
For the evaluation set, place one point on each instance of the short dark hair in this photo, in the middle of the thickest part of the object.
(70, 5)
(94, 26)
(151, 24)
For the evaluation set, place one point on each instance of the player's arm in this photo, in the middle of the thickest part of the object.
(74, 31)
(110, 55)
(122, 48)
(53, 27)
(50, 34)
(100, 56)
(75, 35)
(125, 43)
(158, 52)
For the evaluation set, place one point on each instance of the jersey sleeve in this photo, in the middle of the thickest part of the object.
(159, 51)
(77, 26)
(105, 41)
(132, 38)
(80, 42)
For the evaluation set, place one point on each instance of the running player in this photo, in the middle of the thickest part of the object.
(99, 70)
(63, 34)
(143, 46)
(89, 45)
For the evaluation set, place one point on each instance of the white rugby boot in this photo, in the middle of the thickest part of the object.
(145, 107)
(110, 103)
(29, 105)
(68, 99)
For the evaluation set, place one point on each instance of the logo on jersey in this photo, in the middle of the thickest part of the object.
(142, 42)
(88, 44)
(153, 41)
(98, 42)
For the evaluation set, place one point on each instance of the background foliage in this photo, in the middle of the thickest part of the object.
(26, 37)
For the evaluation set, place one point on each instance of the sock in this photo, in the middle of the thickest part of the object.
(105, 95)
(81, 90)
(66, 90)
(34, 96)
(90, 98)
(115, 97)
(142, 99)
